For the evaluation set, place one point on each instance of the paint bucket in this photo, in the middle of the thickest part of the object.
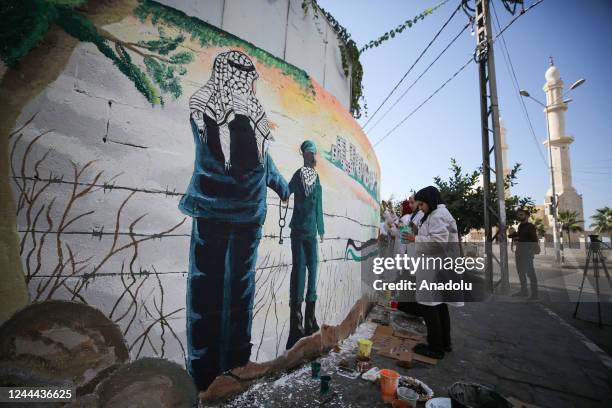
(365, 348)
(325, 380)
(466, 395)
(408, 395)
(388, 384)
(315, 367)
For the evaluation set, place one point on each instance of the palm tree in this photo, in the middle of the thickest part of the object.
(569, 223)
(602, 221)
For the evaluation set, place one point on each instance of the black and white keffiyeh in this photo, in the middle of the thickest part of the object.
(309, 178)
(228, 92)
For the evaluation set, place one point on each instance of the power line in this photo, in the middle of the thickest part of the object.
(455, 74)
(425, 101)
(517, 88)
(516, 18)
(413, 64)
(421, 75)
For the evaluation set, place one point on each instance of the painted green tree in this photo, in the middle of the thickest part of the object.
(602, 221)
(569, 222)
(25, 23)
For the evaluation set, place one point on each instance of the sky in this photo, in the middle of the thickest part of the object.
(578, 35)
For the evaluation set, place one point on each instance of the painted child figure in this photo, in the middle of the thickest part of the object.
(306, 223)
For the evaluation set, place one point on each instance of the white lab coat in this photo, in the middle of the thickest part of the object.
(440, 226)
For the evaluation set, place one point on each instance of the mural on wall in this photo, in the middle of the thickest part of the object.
(103, 175)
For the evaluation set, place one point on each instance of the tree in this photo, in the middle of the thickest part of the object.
(539, 225)
(463, 194)
(602, 220)
(569, 222)
(394, 206)
(25, 24)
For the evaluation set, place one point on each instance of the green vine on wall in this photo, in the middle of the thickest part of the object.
(350, 58)
(350, 53)
(400, 28)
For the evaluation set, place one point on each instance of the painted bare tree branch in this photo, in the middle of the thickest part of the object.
(39, 205)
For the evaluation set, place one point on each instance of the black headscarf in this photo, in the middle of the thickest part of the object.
(431, 196)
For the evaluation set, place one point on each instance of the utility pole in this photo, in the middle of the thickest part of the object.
(489, 115)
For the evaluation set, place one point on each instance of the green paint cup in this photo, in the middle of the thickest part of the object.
(316, 369)
(325, 380)
(408, 229)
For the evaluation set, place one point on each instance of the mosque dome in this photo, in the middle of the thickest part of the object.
(552, 74)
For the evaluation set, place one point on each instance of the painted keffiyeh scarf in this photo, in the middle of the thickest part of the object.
(309, 178)
(228, 92)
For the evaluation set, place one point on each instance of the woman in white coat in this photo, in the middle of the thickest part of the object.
(437, 237)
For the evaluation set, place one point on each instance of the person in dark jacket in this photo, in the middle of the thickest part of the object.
(526, 248)
(306, 223)
(226, 198)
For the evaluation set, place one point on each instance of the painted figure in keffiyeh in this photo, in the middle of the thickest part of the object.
(226, 198)
(230, 92)
(306, 223)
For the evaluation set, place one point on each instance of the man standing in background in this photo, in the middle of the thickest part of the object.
(526, 248)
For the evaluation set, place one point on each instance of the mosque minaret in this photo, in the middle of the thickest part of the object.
(568, 198)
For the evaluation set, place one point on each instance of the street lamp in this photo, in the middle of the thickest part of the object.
(553, 199)
(577, 84)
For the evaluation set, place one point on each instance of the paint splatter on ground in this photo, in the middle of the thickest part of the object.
(294, 386)
(299, 389)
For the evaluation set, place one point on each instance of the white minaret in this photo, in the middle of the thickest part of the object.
(567, 196)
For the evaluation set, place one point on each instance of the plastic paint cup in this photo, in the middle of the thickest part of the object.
(365, 348)
(388, 384)
(407, 229)
(316, 369)
(408, 395)
(325, 380)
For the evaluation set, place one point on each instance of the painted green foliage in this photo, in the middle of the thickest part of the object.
(208, 35)
(350, 53)
(28, 21)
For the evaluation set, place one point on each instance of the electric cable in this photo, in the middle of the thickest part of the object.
(420, 76)
(517, 88)
(523, 12)
(415, 110)
(413, 64)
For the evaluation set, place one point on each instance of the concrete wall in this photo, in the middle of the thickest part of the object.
(282, 28)
(97, 173)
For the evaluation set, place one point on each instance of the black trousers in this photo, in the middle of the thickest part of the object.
(437, 320)
(220, 293)
(524, 267)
